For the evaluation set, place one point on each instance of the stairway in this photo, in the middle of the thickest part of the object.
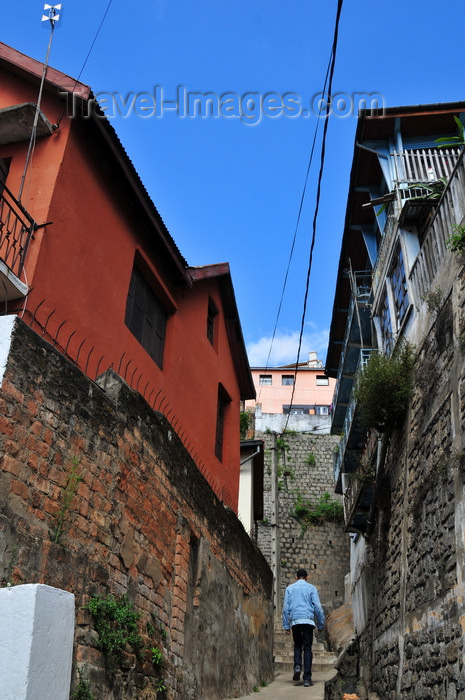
(323, 661)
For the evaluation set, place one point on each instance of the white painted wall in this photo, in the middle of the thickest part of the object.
(36, 642)
(6, 330)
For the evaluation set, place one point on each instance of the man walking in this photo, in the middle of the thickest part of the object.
(302, 612)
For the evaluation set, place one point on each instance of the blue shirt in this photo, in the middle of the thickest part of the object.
(302, 606)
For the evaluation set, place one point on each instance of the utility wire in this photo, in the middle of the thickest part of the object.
(318, 194)
(87, 57)
(302, 198)
(93, 42)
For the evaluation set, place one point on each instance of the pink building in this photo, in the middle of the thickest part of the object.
(304, 391)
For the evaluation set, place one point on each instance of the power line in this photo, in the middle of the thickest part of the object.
(318, 193)
(87, 56)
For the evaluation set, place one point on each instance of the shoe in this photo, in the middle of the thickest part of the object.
(296, 676)
(307, 684)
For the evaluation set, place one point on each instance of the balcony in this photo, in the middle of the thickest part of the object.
(421, 176)
(359, 489)
(16, 231)
(353, 434)
(357, 336)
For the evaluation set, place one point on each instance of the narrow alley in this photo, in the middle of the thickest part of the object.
(284, 687)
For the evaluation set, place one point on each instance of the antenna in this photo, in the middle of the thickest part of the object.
(54, 14)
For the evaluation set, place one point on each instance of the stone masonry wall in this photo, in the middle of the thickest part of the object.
(143, 523)
(414, 645)
(321, 549)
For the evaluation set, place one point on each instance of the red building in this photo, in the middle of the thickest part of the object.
(86, 261)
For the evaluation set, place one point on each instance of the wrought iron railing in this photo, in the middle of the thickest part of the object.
(16, 230)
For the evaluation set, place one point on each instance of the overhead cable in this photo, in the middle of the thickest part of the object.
(318, 193)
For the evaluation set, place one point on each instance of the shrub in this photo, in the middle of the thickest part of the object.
(116, 623)
(383, 389)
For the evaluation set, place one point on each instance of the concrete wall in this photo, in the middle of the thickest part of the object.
(36, 642)
(143, 522)
(322, 549)
(300, 423)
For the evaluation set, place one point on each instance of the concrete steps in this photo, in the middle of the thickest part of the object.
(323, 661)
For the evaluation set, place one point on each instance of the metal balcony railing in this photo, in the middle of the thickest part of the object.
(349, 417)
(16, 230)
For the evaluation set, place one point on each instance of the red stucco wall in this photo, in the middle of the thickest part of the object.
(78, 270)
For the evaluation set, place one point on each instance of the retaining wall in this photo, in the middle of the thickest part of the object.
(143, 522)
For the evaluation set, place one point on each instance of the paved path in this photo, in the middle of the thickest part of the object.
(284, 688)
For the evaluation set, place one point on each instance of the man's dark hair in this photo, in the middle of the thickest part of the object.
(301, 573)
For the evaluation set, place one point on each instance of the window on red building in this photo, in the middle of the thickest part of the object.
(212, 314)
(223, 401)
(146, 317)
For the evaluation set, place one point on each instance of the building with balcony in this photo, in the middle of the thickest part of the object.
(399, 280)
(87, 262)
(298, 396)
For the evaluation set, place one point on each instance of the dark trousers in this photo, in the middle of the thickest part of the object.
(303, 639)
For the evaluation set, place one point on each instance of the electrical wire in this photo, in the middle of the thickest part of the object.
(87, 57)
(318, 194)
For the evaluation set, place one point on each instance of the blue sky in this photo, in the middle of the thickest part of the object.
(229, 190)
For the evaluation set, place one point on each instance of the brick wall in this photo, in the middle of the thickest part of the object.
(143, 522)
(321, 549)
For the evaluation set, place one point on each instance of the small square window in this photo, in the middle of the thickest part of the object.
(287, 379)
(265, 380)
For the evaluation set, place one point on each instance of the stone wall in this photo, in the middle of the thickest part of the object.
(143, 522)
(413, 644)
(305, 468)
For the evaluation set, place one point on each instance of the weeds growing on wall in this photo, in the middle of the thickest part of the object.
(116, 623)
(383, 389)
(324, 510)
(82, 690)
(456, 240)
(311, 460)
(433, 300)
(60, 521)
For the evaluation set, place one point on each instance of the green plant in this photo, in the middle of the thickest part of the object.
(433, 300)
(244, 423)
(284, 563)
(82, 690)
(263, 684)
(116, 623)
(61, 519)
(311, 460)
(451, 141)
(157, 657)
(430, 190)
(383, 389)
(308, 513)
(160, 687)
(456, 241)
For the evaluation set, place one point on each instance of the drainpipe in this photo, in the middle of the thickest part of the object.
(275, 549)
